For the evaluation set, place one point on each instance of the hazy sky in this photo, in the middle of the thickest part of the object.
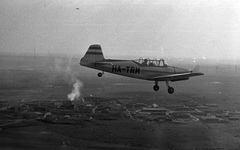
(153, 28)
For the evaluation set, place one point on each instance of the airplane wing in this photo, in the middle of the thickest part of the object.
(175, 77)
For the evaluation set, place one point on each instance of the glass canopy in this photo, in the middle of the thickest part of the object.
(151, 62)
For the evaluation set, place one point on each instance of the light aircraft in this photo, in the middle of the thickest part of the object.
(146, 69)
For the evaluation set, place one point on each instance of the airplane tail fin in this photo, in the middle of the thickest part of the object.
(93, 54)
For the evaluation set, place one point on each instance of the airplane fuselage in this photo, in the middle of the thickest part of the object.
(129, 68)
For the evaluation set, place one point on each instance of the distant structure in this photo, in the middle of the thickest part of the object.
(150, 110)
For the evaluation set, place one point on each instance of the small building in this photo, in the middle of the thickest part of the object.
(191, 104)
(197, 113)
(155, 105)
(185, 109)
(231, 113)
(39, 114)
(180, 115)
(139, 105)
(211, 105)
(212, 119)
(173, 106)
(233, 118)
(202, 107)
(158, 111)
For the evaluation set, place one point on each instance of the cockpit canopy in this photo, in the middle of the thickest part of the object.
(151, 62)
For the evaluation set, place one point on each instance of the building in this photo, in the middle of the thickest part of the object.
(139, 105)
(156, 111)
(212, 119)
(185, 109)
(211, 105)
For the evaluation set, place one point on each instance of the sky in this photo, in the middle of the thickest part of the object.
(124, 28)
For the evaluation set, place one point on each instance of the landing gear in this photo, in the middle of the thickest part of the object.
(156, 87)
(170, 89)
(100, 74)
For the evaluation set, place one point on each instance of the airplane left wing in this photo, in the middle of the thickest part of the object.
(175, 77)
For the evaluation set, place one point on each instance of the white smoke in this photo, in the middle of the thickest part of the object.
(66, 75)
(76, 91)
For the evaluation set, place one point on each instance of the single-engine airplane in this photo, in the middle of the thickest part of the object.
(146, 69)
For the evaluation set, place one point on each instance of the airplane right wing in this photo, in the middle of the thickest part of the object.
(175, 77)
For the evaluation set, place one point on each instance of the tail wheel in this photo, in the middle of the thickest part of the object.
(100, 74)
(170, 90)
(156, 87)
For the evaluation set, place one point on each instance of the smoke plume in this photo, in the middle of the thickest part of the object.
(64, 74)
(76, 91)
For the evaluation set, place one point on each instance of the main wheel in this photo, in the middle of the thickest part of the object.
(170, 90)
(156, 87)
(99, 74)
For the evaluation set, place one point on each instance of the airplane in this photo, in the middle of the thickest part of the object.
(145, 69)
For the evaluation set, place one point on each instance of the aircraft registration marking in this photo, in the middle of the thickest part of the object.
(127, 69)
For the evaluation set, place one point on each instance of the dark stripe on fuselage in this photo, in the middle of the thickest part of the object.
(95, 47)
(95, 53)
(114, 60)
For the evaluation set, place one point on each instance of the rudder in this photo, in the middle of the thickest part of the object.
(93, 54)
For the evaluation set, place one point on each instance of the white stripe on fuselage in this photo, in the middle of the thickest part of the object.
(131, 69)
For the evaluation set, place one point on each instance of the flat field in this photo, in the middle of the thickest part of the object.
(25, 79)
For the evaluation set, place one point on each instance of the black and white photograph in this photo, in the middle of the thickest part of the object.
(119, 75)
